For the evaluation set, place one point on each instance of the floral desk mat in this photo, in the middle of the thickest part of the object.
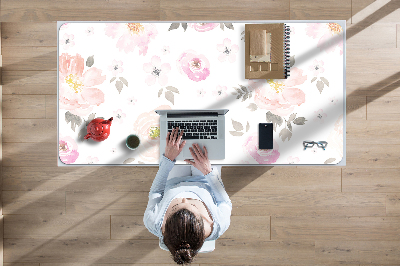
(128, 70)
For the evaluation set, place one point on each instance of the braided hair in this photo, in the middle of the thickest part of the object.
(184, 235)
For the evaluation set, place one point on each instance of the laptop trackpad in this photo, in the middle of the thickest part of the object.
(209, 145)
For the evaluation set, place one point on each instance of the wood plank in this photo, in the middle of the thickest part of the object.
(356, 108)
(282, 179)
(248, 227)
(383, 108)
(24, 106)
(51, 106)
(88, 10)
(384, 58)
(367, 252)
(361, 155)
(30, 82)
(33, 202)
(129, 227)
(261, 252)
(223, 10)
(29, 130)
(110, 264)
(384, 36)
(318, 10)
(373, 132)
(372, 84)
(29, 34)
(30, 154)
(21, 264)
(1, 238)
(89, 251)
(371, 180)
(50, 226)
(335, 228)
(110, 203)
(148, 251)
(393, 204)
(79, 178)
(241, 227)
(29, 58)
(308, 204)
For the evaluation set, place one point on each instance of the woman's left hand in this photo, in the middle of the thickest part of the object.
(174, 147)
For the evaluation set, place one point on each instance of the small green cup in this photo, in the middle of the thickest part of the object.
(132, 142)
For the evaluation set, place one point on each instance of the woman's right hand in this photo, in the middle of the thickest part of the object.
(201, 161)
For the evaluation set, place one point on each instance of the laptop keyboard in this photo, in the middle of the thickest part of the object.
(195, 129)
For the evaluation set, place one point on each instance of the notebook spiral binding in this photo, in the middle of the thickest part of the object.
(286, 49)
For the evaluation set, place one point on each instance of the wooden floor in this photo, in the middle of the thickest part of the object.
(281, 215)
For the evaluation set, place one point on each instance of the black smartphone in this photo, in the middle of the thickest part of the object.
(265, 136)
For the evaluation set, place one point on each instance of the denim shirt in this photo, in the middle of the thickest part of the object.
(209, 188)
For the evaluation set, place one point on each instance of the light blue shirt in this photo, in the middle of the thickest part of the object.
(209, 188)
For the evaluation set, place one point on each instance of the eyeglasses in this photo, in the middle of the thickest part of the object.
(310, 144)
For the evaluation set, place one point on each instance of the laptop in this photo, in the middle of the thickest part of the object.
(204, 127)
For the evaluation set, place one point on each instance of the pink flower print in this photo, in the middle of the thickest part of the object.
(333, 100)
(329, 35)
(67, 150)
(244, 162)
(317, 67)
(165, 50)
(201, 92)
(89, 31)
(314, 29)
(202, 27)
(67, 41)
(92, 160)
(319, 116)
(228, 51)
(261, 156)
(157, 71)
(279, 96)
(195, 66)
(220, 91)
(293, 160)
(132, 101)
(119, 116)
(335, 138)
(147, 127)
(116, 67)
(77, 92)
(132, 35)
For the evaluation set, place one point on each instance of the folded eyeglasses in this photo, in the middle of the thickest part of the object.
(310, 144)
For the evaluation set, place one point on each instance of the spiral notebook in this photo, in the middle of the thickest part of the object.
(267, 51)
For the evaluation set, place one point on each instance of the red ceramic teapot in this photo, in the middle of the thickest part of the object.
(98, 129)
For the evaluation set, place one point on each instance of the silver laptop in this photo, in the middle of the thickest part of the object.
(204, 127)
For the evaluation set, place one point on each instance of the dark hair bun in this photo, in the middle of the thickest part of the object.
(184, 254)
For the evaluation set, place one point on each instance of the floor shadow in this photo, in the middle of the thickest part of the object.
(378, 89)
(382, 12)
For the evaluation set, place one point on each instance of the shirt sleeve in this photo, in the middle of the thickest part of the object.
(224, 204)
(156, 194)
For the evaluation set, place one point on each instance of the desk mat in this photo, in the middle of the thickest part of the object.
(128, 70)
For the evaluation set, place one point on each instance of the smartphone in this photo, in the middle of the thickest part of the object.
(265, 136)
